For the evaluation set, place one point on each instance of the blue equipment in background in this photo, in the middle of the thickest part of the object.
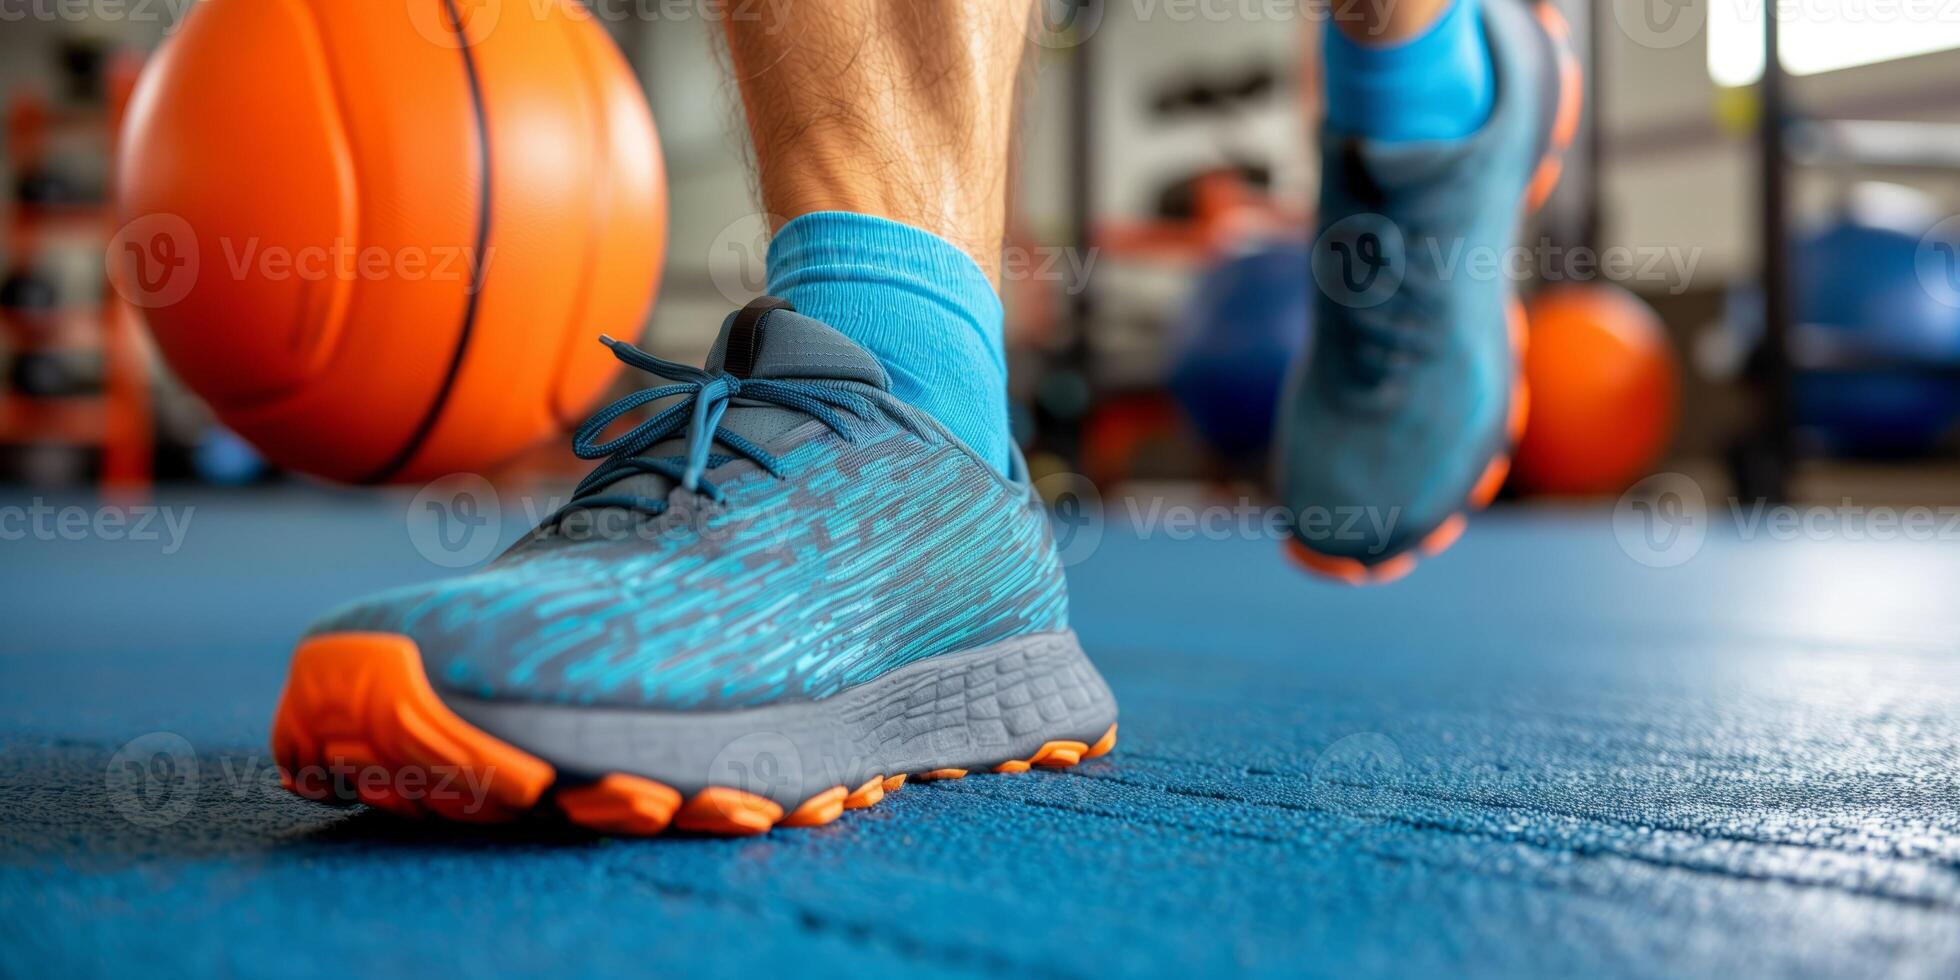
(1876, 342)
(1865, 295)
(1230, 352)
(223, 458)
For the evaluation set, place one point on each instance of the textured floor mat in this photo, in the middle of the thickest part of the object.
(1534, 756)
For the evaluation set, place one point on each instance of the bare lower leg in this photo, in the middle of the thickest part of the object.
(1386, 21)
(902, 109)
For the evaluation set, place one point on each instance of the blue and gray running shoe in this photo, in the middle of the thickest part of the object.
(1402, 417)
(777, 598)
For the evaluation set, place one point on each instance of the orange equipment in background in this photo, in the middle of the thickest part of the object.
(78, 378)
(381, 240)
(1603, 390)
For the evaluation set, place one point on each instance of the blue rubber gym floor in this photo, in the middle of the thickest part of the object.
(1535, 756)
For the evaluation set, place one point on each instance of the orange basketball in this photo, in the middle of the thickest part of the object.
(1603, 390)
(381, 238)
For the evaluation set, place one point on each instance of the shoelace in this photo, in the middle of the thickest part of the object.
(708, 396)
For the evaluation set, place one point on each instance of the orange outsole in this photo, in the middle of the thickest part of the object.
(1565, 118)
(359, 722)
(1565, 126)
(358, 716)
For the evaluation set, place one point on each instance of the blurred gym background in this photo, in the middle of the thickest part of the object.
(1768, 307)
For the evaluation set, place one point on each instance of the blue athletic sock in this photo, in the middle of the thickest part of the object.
(917, 303)
(1434, 86)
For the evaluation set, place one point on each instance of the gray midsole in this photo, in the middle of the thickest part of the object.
(968, 710)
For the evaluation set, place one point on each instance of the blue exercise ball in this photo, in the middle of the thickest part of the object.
(1877, 338)
(1876, 413)
(1246, 323)
(1862, 295)
(1876, 332)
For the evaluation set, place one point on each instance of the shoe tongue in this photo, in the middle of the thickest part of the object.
(766, 339)
(769, 339)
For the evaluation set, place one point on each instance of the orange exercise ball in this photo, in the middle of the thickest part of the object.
(1603, 389)
(381, 239)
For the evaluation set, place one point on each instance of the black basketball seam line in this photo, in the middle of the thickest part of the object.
(429, 419)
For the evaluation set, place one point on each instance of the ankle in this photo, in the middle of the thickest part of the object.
(917, 302)
(937, 205)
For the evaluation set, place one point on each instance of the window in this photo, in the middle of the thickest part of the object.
(1826, 35)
